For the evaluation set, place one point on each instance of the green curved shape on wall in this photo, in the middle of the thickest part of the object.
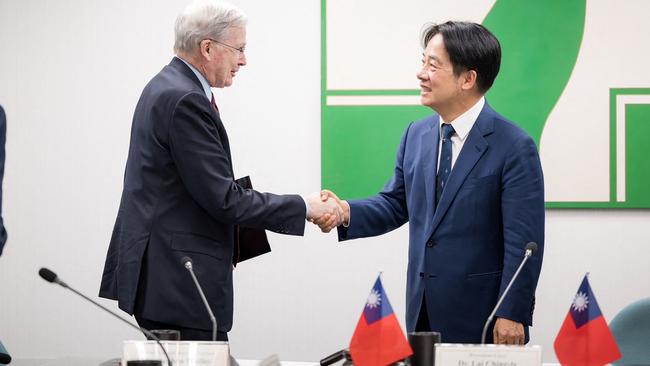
(540, 41)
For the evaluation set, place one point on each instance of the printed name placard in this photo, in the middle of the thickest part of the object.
(181, 353)
(448, 354)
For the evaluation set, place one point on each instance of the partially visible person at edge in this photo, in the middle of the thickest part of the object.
(3, 140)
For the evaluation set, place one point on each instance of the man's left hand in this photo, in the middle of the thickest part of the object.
(507, 331)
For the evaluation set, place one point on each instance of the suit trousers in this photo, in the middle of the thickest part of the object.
(187, 334)
(423, 324)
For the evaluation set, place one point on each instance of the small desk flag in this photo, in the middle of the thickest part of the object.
(584, 338)
(378, 339)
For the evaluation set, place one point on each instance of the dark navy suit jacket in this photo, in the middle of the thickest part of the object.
(3, 139)
(180, 199)
(464, 252)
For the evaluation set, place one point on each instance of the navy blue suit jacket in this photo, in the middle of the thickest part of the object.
(180, 199)
(464, 252)
(3, 139)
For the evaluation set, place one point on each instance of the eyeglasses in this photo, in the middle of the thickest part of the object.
(241, 49)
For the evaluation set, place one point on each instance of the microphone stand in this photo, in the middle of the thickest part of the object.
(529, 253)
(56, 280)
(187, 263)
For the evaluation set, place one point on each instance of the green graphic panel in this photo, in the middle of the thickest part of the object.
(359, 146)
(358, 142)
(538, 56)
(637, 151)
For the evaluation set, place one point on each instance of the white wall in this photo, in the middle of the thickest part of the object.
(70, 75)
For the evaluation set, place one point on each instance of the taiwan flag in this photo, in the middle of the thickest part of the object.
(378, 339)
(584, 338)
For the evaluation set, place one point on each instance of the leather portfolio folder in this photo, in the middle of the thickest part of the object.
(249, 243)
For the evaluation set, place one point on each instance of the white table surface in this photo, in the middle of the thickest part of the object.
(71, 361)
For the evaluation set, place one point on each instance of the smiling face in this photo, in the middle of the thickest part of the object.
(224, 58)
(439, 86)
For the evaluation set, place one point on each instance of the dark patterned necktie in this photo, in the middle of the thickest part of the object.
(214, 104)
(445, 160)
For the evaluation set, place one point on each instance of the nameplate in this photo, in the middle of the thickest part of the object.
(181, 353)
(448, 354)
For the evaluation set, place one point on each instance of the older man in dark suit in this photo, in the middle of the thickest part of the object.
(180, 197)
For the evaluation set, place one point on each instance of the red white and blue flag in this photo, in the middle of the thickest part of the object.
(378, 339)
(584, 338)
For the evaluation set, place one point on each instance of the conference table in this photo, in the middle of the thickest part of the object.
(71, 361)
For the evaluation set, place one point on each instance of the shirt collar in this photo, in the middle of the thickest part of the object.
(464, 123)
(202, 79)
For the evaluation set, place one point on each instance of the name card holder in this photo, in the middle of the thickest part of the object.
(448, 354)
(181, 353)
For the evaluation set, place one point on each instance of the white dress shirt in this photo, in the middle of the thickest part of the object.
(462, 125)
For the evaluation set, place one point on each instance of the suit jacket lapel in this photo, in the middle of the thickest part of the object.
(475, 146)
(429, 144)
(223, 136)
(224, 139)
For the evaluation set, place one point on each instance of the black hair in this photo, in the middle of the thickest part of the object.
(470, 47)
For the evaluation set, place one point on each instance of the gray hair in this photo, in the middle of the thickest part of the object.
(204, 19)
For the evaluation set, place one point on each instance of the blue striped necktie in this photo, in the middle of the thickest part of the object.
(445, 160)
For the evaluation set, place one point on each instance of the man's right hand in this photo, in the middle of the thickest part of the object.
(328, 222)
(327, 212)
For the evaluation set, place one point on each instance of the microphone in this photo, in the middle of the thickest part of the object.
(335, 357)
(530, 249)
(51, 277)
(187, 263)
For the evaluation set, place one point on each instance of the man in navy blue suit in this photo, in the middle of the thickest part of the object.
(3, 139)
(180, 198)
(469, 183)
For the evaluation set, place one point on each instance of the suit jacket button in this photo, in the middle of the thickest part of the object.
(430, 243)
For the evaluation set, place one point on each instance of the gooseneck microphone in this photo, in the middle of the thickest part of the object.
(187, 263)
(531, 248)
(336, 357)
(51, 277)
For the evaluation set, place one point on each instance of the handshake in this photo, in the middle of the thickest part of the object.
(327, 211)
